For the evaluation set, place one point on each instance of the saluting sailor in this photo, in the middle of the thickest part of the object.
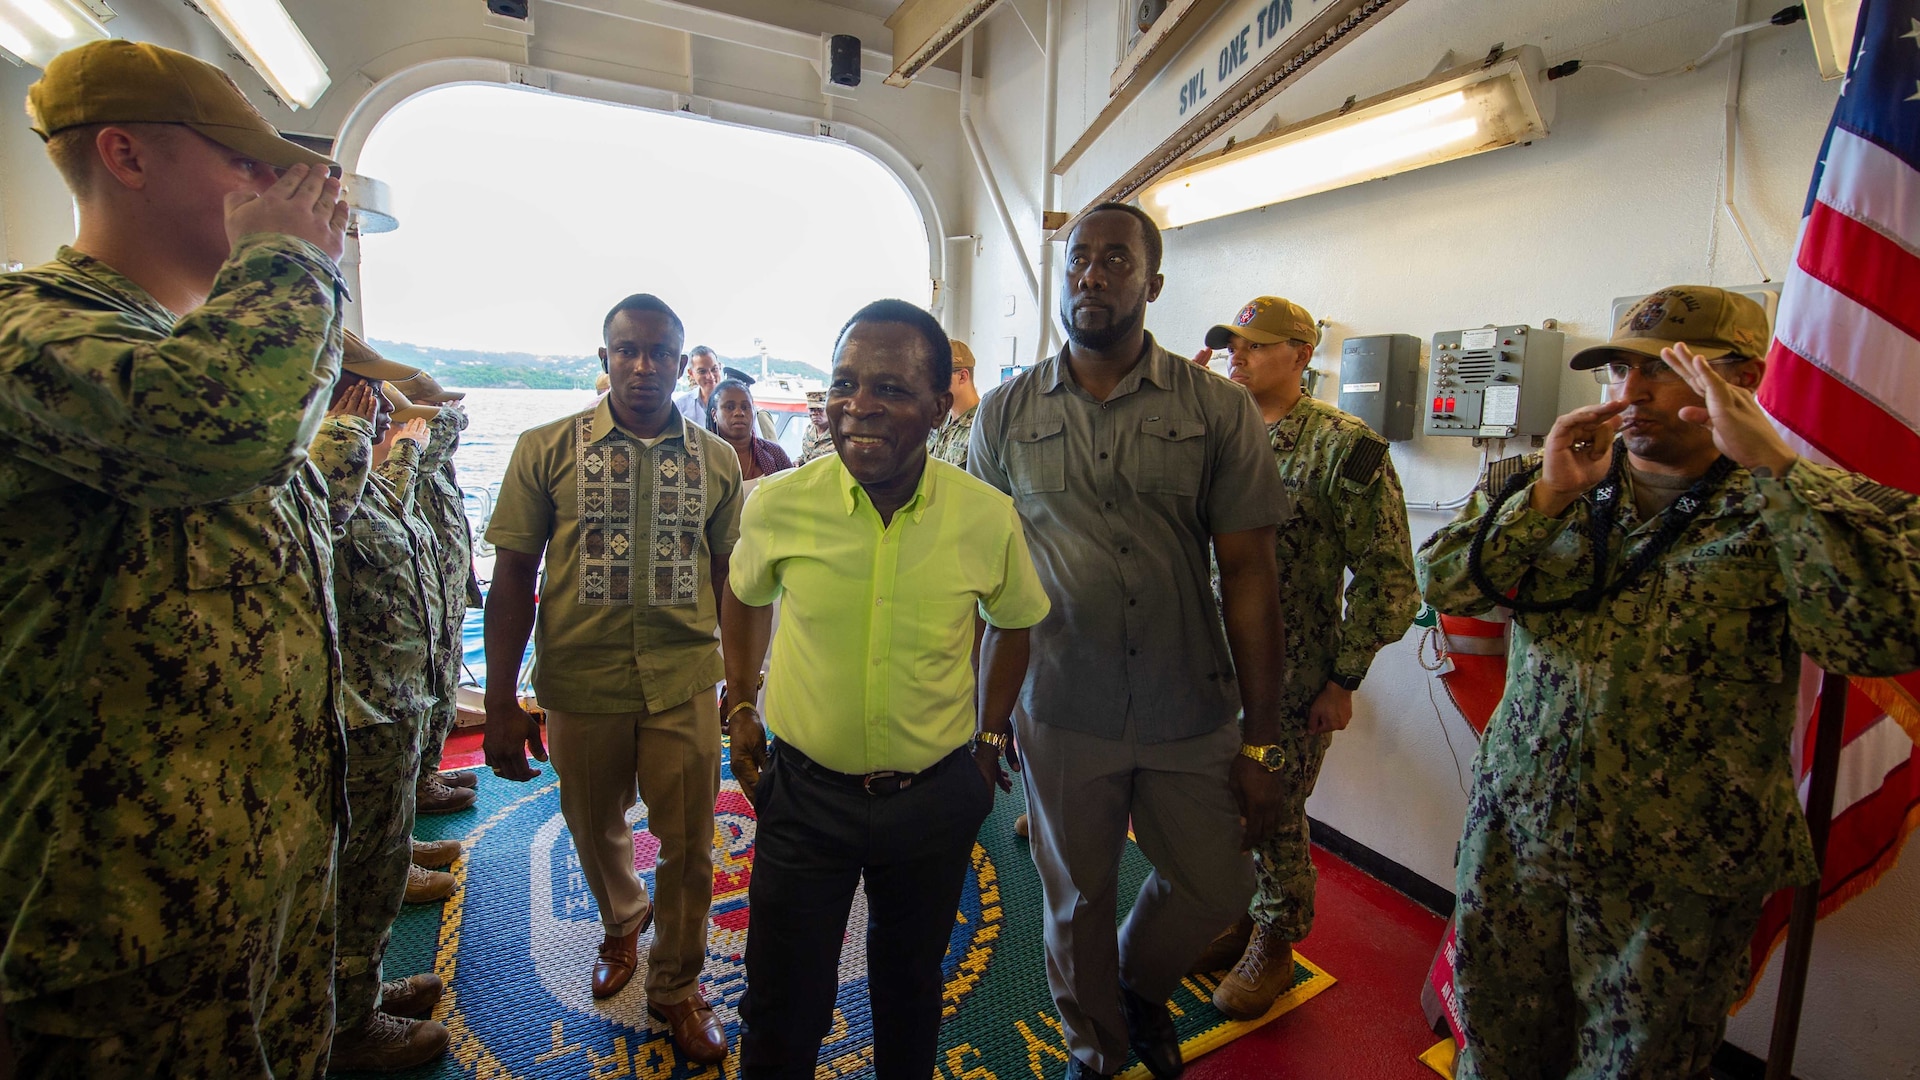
(386, 586)
(1349, 515)
(1667, 558)
(170, 787)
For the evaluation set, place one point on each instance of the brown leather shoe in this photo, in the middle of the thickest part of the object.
(412, 997)
(1020, 827)
(425, 886)
(387, 1043)
(697, 1033)
(435, 854)
(430, 796)
(618, 957)
(460, 778)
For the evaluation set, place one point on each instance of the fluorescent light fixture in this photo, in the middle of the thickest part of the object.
(267, 36)
(1458, 113)
(1831, 23)
(36, 31)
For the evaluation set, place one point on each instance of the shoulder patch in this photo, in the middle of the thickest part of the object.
(1889, 500)
(1500, 472)
(1363, 461)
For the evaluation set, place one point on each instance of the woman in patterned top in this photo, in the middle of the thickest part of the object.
(731, 417)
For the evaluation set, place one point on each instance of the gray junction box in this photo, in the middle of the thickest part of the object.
(1495, 382)
(1380, 382)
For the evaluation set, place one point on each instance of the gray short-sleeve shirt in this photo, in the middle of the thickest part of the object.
(1120, 500)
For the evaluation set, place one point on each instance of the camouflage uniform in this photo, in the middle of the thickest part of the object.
(170, 758)
(1350, 514)
(387, 587)
(437, 499)
(1633, 797)
(948, 442)
(815, 443)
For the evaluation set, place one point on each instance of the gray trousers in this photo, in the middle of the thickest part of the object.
(1082, 790)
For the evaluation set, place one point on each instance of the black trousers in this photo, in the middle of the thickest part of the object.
(815, 840)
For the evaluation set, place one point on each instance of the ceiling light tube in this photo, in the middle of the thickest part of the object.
(36, 31)
(1467, 110)
(270, 40)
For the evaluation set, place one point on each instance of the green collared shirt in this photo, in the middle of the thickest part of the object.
(626, 619)
(1121, 500)
(872, 662)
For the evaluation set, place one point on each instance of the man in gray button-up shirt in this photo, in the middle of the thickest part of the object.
(1127, 464)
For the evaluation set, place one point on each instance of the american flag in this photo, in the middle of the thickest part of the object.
(1843, 382)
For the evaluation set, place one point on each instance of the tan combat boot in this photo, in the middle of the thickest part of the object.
(412, 997)
(425, 886)
(387, 1043)
(1264, 972)
(1225, 949)
(430, 796)
(435, 854)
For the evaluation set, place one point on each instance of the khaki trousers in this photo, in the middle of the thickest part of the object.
(1082, 790)
(672, 760)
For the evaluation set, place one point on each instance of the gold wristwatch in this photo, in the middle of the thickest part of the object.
(995, 739)
(1269, 757)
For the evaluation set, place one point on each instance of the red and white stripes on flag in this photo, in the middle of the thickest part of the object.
(1843, 384)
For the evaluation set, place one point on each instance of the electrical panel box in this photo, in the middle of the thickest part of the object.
(1495, 382)
(1380, 382)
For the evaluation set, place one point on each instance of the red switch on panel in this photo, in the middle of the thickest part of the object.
(1450, 402)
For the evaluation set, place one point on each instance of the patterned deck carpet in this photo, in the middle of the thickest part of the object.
(516, 941)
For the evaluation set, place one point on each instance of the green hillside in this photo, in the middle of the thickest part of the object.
(466, 369)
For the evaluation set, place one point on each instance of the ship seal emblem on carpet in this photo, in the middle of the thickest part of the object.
(518, 937)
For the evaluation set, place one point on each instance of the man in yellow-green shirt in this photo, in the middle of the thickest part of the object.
(882, 559)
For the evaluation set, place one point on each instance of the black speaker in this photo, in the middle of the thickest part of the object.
(512, 9)
(843, 60)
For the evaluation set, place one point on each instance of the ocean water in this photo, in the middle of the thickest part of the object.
(495, 419)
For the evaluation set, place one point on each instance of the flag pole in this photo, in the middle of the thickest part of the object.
(1830, 722)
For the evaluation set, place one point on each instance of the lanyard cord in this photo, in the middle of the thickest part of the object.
(1606, 512)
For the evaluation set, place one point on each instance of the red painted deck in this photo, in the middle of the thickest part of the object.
(1368, 1025)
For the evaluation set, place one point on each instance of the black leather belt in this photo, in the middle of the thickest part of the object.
(874, 783)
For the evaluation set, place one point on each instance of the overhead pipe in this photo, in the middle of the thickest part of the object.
(1049, 95)
(986, 171)
(1732, 151)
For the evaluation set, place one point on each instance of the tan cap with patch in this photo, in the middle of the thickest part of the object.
(1714, 323)
(132, 82)
(1265, 320)
(358, 357)
(962, 356)
(427, 390)
(404, 410)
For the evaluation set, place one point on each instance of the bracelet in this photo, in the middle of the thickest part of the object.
(735, 711)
